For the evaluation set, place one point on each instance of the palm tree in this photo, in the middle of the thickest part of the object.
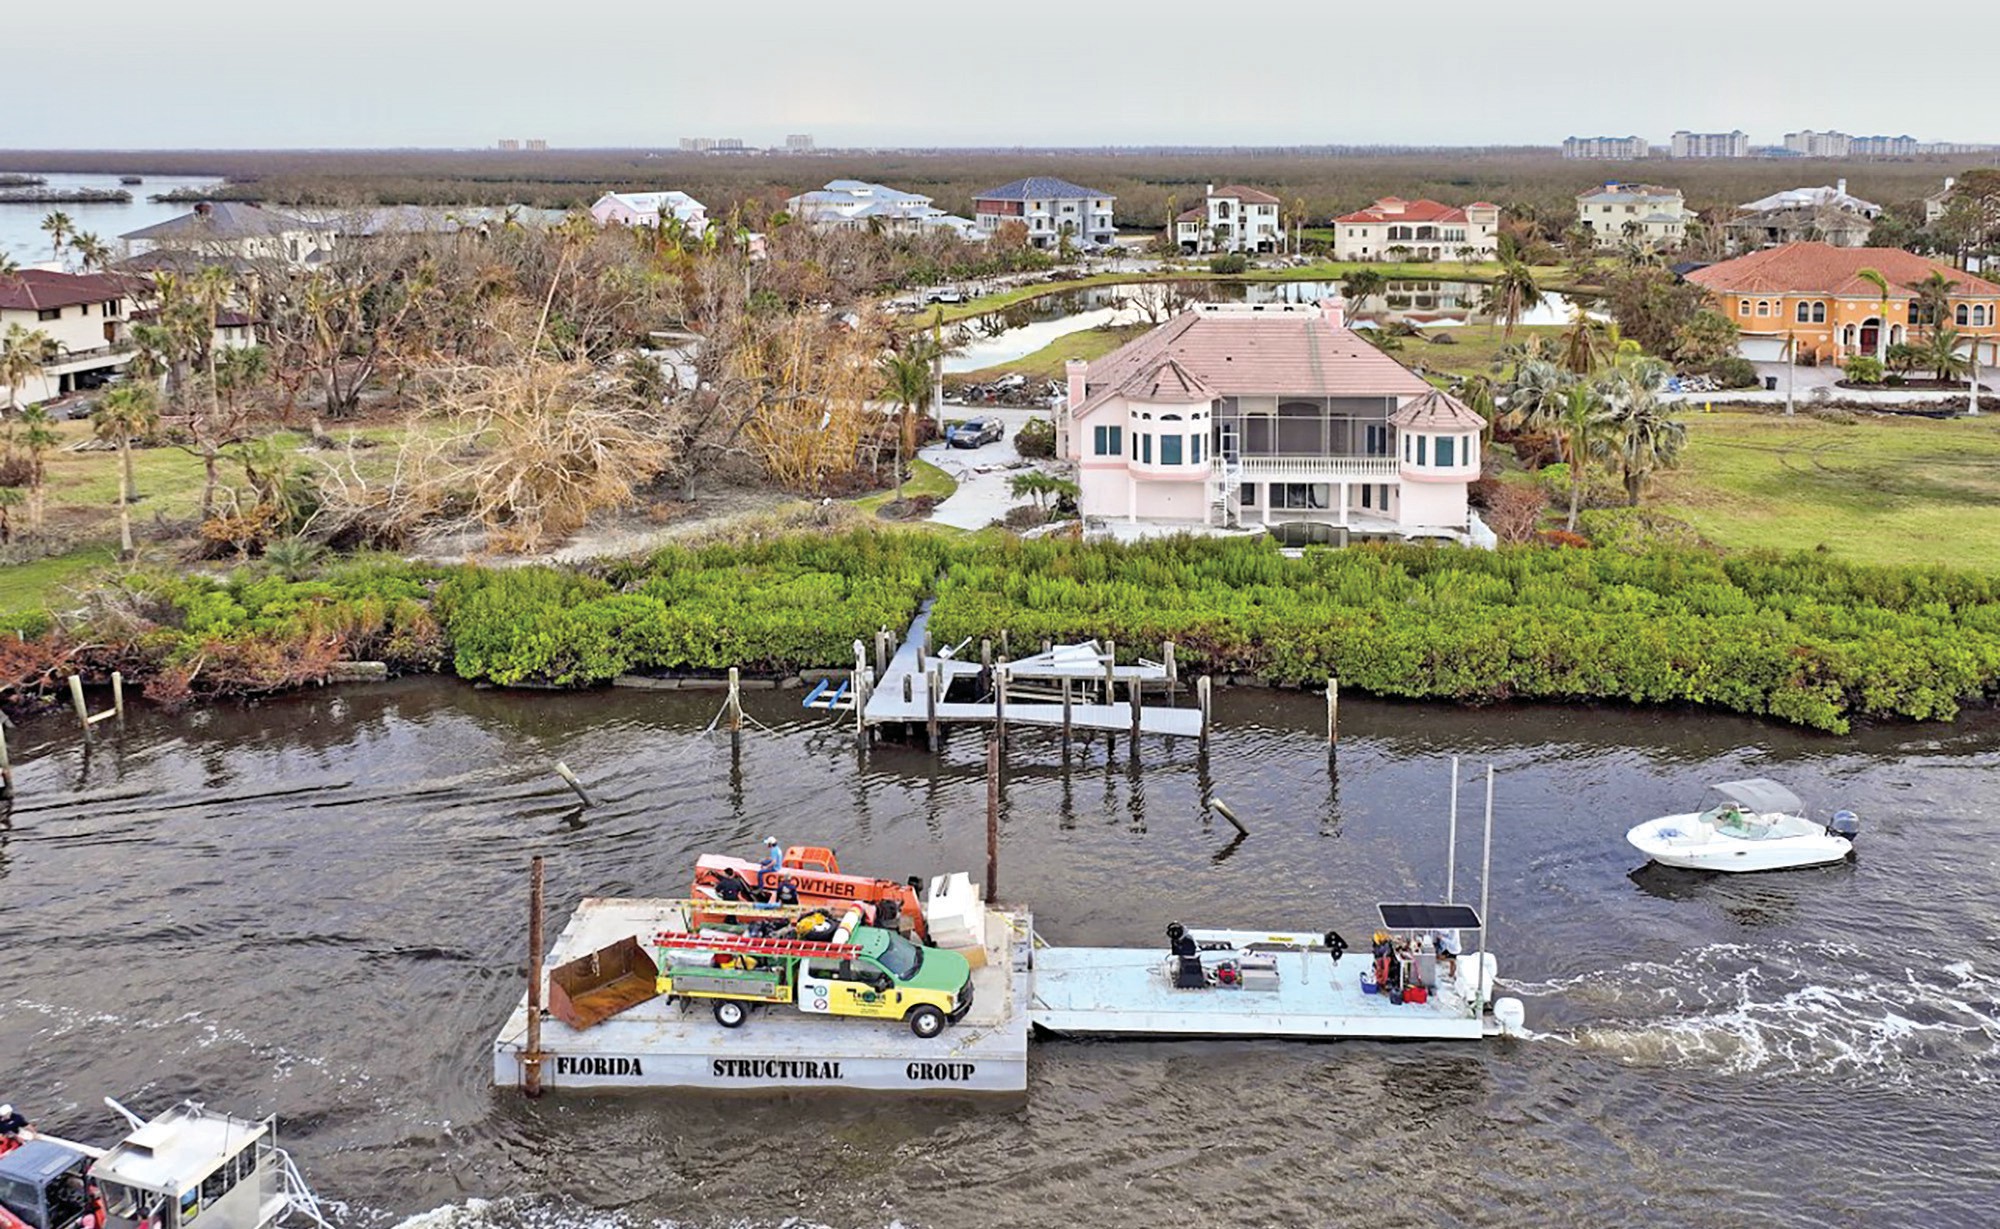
(210, 288)
(1586, 343)
(1881, 284)
(1360, 285)
(91, 252)
(1535, 397)
(1939, 352)
(1647, 436)
(59, 227)
(21, 357)
(906, 379)
(126, 411)
(1580, 425)
(38, 435)
(1934, 298)
(1513, 294)
(10, 497)
(8, 266)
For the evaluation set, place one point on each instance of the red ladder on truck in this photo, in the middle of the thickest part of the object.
(746, 946)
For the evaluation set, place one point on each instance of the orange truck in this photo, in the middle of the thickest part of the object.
(815, 873)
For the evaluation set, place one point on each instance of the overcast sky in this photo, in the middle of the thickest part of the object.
(254, 73)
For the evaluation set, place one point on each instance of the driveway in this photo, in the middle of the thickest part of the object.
(982, 473)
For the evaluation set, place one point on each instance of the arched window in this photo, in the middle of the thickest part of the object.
(1805, 312)
(1743, 307)
(1982, 314)
(1763, 307)
(1964, 316)
(1819, 313)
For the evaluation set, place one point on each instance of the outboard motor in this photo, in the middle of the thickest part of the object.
(1187, 958)
(1844, 823)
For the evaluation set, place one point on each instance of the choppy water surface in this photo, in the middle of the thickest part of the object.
(314, 907)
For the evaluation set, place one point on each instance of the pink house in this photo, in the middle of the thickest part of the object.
(1267, 414)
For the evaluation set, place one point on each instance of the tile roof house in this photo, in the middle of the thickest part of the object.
(1643, 213)
(1812, 298)
(1267, 414)
(649, 208)
(1231, 218)
(1824, 214)
(85, 318)
(853, 204)
(1393, 228)
(237, 234)
(1050, 209)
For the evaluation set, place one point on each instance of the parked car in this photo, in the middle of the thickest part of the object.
(975, 432)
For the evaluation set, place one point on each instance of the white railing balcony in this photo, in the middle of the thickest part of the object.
(1308, 469)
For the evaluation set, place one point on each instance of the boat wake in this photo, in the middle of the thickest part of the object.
(1785, 1008)
(534, 1212)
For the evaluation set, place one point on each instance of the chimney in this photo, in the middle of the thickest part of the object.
(1075, 369)
(1949, 181)
(1335, 312)
(1840, 186)
(1209, 190)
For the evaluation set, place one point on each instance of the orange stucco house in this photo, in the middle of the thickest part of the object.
(1813, 297)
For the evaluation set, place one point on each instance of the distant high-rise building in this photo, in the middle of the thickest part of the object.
(537, 145)
(697, 145)
(799, 143)
(508, 145)
(1622, 149)
(1904, 146)
(1820, 144)
(729, 145)
(1710, 144)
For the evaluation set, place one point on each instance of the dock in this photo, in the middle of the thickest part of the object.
(1065, 687)
(658, 1044)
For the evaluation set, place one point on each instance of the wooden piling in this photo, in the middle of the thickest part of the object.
(76, 698)
(1135, 715)
(1110, 672)
(930, 708)
(118, 695)
(1204, 699)
(1000, 700)
(909, 687)
(1222, 808)
(569, 778)
(531, 1062)
(993, 817)
(1066, 719)
(864, 688)
(881, 653)
(1167, 660)
(1332, 712)
(733, 707)
(986, 654)
(6, 764)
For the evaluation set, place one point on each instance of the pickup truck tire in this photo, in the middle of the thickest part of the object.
(730, 1014)
(926, 1021)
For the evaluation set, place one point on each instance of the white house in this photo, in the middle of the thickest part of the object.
(1231, 218)
(1050, 209)
(86, 320)
(1826, 214)
(230, 232)
(1395, 229)
(648, 208)
(853, 204)
(1248, 414)
(1644, 213)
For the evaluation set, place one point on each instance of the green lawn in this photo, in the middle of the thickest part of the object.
(1047, 362)
(924, 479)
(38, 585)
(1883, 490)
(1472, 351)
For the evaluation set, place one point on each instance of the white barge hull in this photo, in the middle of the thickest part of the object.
(658, 1044)
(1110, 991)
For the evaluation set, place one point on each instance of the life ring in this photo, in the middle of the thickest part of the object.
(1336, 944)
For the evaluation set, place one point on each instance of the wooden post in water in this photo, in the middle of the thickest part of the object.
(118, 695)
(76, 698)
(1066, 720)
(864, 687)
(1000, 701)
(6, 764)
(531, 1062)
(1167, 660)
(569, 778)
(1204, 699)
(1135, 715)
(993, 817)
(881, 653)
(1332, 713)
(733, 707)
(1111, 672)
(930, 708)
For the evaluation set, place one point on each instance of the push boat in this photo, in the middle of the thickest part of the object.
(1757, 825)
(187, 1163)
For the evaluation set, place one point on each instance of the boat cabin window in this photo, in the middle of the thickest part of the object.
(69, 1200)
(21, 1199)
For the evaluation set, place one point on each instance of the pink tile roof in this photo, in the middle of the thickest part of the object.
(1237, 353)
(1821, 268)
(1413, 211)
(1249, 196)
(1437, 411)
(43, 289)
(1166, 381)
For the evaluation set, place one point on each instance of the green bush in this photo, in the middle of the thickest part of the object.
(1036, 439)
(1734, 372)
(1228, 262)
(1864, 369)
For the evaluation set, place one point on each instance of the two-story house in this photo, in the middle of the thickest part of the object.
(1267, 414)
(85, 319)
(854, 204)
(650, 209)
(1646, 214)
(1395, 229)
(1050, 209)
(1810, 300)
(1826, 214)
(1231, 218)
(230, 233)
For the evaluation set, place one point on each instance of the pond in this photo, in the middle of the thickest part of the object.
(1018, 331)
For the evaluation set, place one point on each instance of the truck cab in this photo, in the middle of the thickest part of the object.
(889, 978)
(44, 1185)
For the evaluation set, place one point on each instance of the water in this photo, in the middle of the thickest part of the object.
(314, 906)
(21, 234)
(1015, 332)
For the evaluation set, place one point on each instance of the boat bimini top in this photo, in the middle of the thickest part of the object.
(1761, 795)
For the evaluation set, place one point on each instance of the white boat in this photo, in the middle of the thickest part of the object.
(1758, 825)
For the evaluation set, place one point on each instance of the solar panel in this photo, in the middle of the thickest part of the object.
(1429, 917)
